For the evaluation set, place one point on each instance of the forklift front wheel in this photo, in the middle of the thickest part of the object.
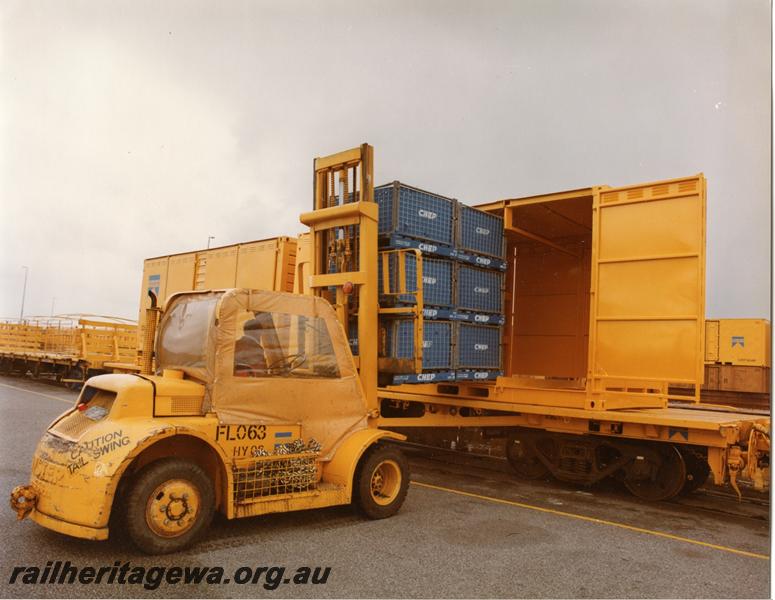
(169, 505)
(381, 482)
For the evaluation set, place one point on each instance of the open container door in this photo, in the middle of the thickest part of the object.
(648, 293)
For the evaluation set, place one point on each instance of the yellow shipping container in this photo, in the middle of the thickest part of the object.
(738, 342)
(263, 264)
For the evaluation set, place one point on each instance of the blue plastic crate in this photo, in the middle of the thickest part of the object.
(478, 290)
(477, 346)
(436, 275)
(479, 232)
(437, 342)
(411, 212)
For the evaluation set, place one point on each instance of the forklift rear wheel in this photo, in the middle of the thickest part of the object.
(169, 505)
(381, 482)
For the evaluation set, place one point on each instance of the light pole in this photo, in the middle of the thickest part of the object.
(52, 305)
(209, 237)
(24, 291)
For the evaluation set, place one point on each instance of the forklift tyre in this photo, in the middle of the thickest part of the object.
(169, 505)
(381, 482)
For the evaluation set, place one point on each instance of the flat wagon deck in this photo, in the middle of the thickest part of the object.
(554, 425)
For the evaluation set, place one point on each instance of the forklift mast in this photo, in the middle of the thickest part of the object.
(343, 227)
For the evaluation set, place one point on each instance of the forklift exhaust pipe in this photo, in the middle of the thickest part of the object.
(151, 319)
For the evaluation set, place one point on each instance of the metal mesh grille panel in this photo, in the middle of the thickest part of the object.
(186, 404)
(272, 476)
(73, 425)
(419, 214)
(479, 290)
(480, 232)
(383, 196)
(437, 342)
(477, 346)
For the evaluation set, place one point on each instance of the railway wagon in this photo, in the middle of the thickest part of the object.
(605, 302)
(68, 349)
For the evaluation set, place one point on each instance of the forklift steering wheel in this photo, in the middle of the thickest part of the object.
(289, 363)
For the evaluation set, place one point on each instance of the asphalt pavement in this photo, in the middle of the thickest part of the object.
(464, 531)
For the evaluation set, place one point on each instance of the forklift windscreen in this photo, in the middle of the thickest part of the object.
(184, 333)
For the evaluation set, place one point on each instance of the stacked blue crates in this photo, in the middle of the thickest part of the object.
(413, 218)
(479, 293)
(463, 273)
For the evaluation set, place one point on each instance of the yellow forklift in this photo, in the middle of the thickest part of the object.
(256, 405)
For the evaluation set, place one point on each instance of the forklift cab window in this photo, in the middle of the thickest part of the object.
(271, 344)
(183, 333)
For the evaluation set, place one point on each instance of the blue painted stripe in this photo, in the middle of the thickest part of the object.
(283, 434)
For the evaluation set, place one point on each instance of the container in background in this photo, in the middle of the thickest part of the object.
(744, 342)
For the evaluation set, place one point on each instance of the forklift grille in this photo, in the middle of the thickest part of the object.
(73, 425)
(273, 475)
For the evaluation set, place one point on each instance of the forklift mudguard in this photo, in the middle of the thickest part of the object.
(341, 469)
(75, 481)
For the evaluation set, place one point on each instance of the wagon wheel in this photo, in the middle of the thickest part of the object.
(523, 457)
(656, 476)
(697, 470)
(76, 372)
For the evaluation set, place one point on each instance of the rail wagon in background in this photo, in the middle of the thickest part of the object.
(68, 348)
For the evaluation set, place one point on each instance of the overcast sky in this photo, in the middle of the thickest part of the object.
(136, 129)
